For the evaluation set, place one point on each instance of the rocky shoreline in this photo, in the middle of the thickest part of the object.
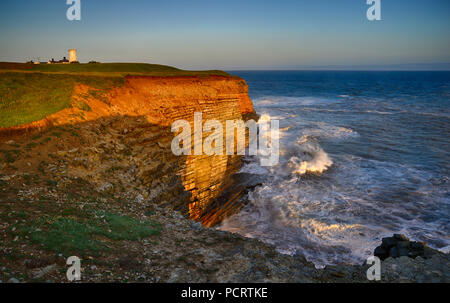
(184, 250)
(107, 188)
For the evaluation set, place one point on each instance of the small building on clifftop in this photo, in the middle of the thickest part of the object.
(73, 55)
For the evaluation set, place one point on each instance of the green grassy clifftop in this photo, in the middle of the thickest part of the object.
(30, 92)
(107, 69)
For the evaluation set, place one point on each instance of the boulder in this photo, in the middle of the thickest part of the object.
(400, 246)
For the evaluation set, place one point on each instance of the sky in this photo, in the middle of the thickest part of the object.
(231, 34)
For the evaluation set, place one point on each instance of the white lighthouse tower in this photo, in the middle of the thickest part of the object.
(73, 55)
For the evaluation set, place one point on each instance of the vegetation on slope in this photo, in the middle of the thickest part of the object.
(29, 97)
(81, 231)
(31, 92)
(108, 69)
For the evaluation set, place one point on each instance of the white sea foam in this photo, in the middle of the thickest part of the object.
(253, 168)
(379, 112)
(267, 118)
(289, 101)
(327, 131)
(445, 249)
(264, 118)
(265, 102)
(318, 161)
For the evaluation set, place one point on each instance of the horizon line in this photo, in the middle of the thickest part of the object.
(400, 67)
(337, 70)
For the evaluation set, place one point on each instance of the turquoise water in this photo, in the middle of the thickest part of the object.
(363, 155)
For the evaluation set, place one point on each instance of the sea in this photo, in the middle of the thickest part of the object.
(363, 155)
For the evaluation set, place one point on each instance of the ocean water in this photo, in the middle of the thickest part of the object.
(363, 155)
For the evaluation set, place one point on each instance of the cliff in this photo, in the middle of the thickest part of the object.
(141, 113)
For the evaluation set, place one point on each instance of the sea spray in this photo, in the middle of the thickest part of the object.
(313, 160)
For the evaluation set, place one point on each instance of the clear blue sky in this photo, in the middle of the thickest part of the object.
(243, 34)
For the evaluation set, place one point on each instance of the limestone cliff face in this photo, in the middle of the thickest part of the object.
(165, 100)
(138, 117)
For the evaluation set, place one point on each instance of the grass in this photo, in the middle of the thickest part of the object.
(28, 97)
(85, 234)
(108, 69)
(69, 237)
(126, 68)
(31, 92)
(128, 228)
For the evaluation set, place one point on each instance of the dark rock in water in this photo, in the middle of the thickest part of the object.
(299, 257)
(400, 246)
(401, 237)
(381, 252)
(394, 253)
(389, 242)
(404, 244)
(417, 245)
(403, 251)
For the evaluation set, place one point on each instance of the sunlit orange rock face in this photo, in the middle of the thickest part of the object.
(165, 100)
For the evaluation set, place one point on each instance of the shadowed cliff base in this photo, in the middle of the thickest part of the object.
(122, 153)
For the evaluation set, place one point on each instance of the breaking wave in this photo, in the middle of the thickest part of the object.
(313, 159)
